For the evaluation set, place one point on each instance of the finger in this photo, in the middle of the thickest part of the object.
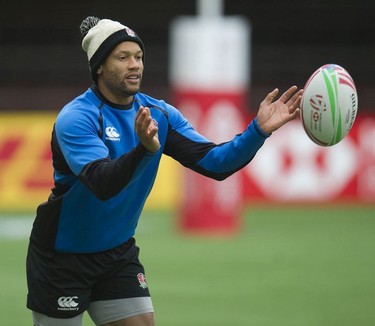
(141, 123)
(285, 97)
(295, 96)
(295, 101)
(271, 96)
(139, 118)
(143, 114)
(139, 112)
(152, 132)
(294, 114)
(146, 125)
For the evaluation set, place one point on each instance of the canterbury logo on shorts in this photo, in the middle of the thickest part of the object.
(68, 303)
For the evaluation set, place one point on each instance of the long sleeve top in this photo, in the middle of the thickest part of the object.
(103, 174)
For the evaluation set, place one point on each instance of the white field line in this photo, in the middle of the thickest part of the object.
(13, 228)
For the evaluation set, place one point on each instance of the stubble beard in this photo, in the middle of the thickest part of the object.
(130, 91)
(121, 90)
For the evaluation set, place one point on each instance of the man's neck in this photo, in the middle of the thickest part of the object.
(110, 103)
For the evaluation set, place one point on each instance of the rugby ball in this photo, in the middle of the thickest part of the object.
(329, 105)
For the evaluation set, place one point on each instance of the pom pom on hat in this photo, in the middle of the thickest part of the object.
(87, 24)
(101, 36)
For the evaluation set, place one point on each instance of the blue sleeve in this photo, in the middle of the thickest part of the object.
(233, 155)
(77, 135)
(217, 161)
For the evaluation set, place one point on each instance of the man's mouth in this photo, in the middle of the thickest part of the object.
(133, 78)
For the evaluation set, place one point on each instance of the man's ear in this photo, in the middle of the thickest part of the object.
(99, 70)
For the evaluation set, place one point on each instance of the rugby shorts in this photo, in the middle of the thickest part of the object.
(62, 285)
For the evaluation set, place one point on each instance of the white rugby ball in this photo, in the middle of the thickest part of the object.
(329, 105)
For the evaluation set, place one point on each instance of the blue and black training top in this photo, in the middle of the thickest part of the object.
(103, 174)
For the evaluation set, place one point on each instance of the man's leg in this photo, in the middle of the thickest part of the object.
(43, 320)
(123, 312)
(140, 320)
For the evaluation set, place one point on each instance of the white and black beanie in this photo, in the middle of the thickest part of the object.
(101, 36)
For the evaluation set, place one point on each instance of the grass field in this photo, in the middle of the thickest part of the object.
(292, 266)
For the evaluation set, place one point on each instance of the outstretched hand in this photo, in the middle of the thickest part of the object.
(274, 114)
(147, 130)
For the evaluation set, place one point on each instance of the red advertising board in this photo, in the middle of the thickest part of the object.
(208, 205)
(290, 167)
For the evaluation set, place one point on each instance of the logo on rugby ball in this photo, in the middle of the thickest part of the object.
(318, 103)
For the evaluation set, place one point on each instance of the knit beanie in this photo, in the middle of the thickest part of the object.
(100, 37)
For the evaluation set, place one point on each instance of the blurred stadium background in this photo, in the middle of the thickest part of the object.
(302, 251)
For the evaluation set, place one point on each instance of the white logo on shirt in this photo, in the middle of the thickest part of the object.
(112, 134)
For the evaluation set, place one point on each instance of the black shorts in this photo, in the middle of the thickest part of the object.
(63, 285)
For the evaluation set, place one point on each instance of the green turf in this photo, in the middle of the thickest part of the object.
(288, 266)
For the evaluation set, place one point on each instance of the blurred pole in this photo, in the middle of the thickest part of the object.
(210, 8)
(209, 75)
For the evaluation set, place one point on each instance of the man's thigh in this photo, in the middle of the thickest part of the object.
(43, 320)
(129, 311)
(122, 294)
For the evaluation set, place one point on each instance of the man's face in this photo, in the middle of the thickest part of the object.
(121, 73)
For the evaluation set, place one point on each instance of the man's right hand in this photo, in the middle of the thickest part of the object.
(147, 130)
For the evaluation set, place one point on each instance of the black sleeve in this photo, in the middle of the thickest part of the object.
(106, 177)
(189, 152)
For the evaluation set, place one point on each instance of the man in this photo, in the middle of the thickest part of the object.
(107, 145)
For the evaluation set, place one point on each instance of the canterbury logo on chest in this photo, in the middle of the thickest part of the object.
(112, 134)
